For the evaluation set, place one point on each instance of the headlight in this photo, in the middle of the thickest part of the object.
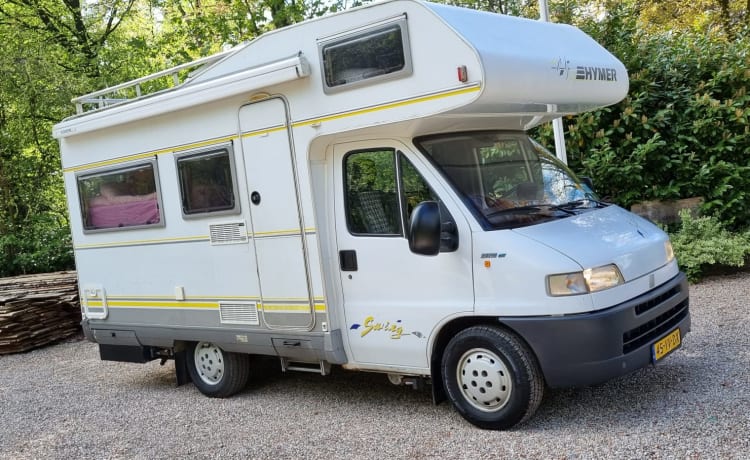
(589, 280)
(669, 250)
(566, 284)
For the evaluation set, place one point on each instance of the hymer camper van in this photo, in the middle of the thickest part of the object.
(359, 190)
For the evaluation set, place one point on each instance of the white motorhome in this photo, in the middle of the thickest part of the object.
(358, 190)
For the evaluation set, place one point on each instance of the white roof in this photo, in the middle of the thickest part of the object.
(522, 71)
(530, 64)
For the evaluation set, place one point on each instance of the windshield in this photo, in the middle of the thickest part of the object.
(507, 179)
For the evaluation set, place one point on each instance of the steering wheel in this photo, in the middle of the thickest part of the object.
(511, 191)
(497, 202)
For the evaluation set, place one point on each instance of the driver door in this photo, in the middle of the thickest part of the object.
(394, 298)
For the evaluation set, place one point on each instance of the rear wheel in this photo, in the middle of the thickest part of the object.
(215, 372)
(491, 377)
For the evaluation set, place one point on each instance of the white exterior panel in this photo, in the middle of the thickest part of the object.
(287, 138)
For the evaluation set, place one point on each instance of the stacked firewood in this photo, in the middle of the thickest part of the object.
(36, 310)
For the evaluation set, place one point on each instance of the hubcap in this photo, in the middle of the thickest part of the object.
(209, 362)
(484, 380)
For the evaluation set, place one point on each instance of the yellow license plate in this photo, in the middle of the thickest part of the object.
(666, 345)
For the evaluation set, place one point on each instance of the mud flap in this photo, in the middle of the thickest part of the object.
(438, 390)
(180, 368)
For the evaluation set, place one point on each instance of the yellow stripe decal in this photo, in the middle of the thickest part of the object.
(101, 164)
(188, 239)
(271, 308)
(391, 105)
(160, 304)
(219, 298)
(144, 242)
(277, 308)
(293, 232)
(353, 113)
(261, 132)
(152, 153)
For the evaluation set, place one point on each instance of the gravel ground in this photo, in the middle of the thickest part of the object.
(63, 402)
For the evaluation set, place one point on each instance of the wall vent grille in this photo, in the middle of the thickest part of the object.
(239, 313)
(231, 233)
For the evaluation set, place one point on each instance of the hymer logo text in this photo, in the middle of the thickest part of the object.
(596, 73)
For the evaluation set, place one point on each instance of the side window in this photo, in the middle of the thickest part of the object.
(120, 198)
(416, 190)
(414, 187)
(372, 193)
(207, 182)
(381, 195)
(378, 53)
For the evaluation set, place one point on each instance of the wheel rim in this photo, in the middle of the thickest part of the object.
(484, 380)
(209, 362)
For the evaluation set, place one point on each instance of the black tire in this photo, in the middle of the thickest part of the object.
(215, 372)
(491, 377)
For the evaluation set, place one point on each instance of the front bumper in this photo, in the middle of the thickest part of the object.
(590, 348)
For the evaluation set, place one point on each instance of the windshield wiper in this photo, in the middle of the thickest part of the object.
(530, 209)
(546, 209)
(585, 203)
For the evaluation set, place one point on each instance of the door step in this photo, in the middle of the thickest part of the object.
(322, 367)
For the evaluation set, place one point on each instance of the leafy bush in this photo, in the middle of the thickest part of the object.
(41, 245)
(701, 243)
(682, 131)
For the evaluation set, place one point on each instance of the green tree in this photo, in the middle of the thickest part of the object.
(79, 29)
(53, 50)
(194, 28)
(726, 17)
(33, 223)
(514, 7)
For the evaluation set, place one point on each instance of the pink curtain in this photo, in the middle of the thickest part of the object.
(124, 214)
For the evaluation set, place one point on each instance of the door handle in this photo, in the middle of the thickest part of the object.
(348, 260)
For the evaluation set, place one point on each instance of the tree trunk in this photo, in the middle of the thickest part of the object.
(726, 22)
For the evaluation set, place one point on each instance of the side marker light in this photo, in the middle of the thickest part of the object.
(463, 74)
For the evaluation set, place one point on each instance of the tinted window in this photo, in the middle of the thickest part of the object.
(120, 198)
(414, 187)
(376, 53)
(372, 193)
(206, 182)
(381, 195)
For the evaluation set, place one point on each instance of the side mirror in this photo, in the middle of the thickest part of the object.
(588, 182)
(424, 229)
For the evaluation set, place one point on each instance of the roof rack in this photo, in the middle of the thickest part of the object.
(140, 87)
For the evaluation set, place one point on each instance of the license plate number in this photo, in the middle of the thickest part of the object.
(666, 345)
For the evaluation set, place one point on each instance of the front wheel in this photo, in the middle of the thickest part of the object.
(491, 377)
(215, 372)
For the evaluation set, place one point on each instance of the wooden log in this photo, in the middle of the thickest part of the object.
(667, 212)
(36, 310)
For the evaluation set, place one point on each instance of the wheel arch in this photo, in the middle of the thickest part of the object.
(448, 331)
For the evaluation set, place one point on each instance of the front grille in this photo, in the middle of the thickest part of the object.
(651, 303)
(647, 332)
